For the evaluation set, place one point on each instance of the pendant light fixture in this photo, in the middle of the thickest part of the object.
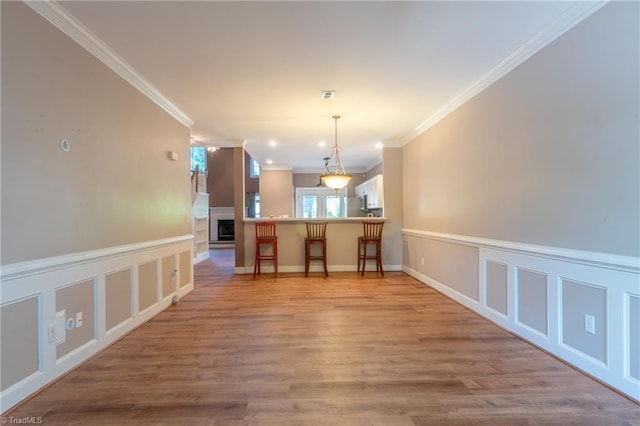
(326, 163)
(334, 176)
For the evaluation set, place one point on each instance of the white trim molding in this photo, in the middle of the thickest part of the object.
(49, 264)
(53, 12)
(605, 260)
(545, 295)
(572, 16)
(170, 277)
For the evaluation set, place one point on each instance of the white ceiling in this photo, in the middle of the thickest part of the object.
(253, 72)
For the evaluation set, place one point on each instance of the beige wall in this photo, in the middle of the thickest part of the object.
(147, 285)
(169, 277)
(276, 193)
(73, 299)
(391, 170)
(547, 155)
(453, 265)
(548, 160)
(378, 169)
(116, 184)
(240, 164)
(117, 289)
(19, 349)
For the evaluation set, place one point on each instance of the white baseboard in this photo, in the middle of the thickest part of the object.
(201, 257)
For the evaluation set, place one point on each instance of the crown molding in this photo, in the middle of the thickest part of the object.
(276, 167)
(65, 22)
(392, 144)
(571, 17)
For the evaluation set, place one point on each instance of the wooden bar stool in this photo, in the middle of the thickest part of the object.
(372, 236)
(316, 234)
(266, 235)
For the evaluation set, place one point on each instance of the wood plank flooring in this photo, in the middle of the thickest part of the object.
(347, 350)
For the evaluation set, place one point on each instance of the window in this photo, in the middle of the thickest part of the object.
(198, 158)
(320, 202)
(254, 168)
(309, 206)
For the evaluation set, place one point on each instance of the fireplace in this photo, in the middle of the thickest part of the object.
(221, 225)
(226, 230)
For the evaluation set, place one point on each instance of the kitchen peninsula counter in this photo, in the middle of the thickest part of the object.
(302, 220)
(342, 249)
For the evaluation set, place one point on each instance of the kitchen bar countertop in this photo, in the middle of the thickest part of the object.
(318, 219)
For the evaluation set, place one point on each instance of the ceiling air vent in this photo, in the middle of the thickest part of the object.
(328, 94)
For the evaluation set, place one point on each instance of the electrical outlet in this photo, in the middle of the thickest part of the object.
(589, 324)
(79, 320)
(422, 261)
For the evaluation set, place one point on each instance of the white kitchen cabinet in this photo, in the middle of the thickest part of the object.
(373, 190)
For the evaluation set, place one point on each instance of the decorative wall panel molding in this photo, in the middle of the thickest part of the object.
(94, 317)
(579, 306)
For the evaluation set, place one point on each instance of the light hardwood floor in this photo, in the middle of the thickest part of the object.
(347, 350)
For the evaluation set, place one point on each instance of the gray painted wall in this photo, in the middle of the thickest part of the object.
(531, 288)
(578, 298)
(497, 287)
(220, 177)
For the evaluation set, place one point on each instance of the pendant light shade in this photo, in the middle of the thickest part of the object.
(334, 176)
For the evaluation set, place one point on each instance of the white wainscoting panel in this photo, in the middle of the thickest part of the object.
(47, 279)
(551, 296)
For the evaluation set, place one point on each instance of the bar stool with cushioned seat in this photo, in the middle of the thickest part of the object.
(316, 234)
(266, 235)
(372, 236)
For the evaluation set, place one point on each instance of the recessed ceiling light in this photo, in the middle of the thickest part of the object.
(269, 161)
(379, 145)
(322, 143)
(328, 94)
(273, 143)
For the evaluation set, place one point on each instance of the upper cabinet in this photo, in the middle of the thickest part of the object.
(372, 190)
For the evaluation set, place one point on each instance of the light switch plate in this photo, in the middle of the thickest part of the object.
(589, 324)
